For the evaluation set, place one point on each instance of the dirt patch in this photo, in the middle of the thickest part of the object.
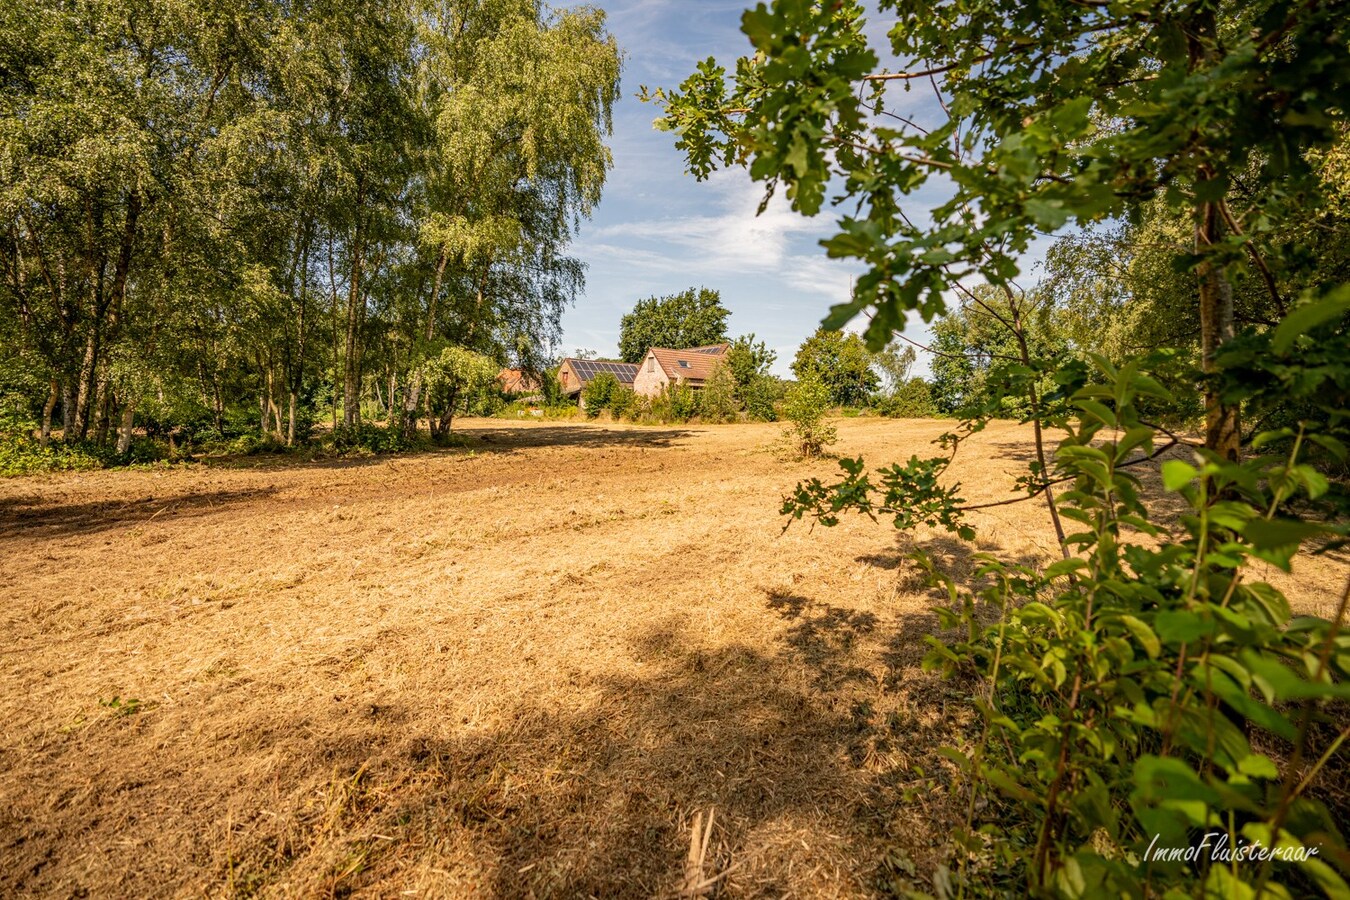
(514, 670)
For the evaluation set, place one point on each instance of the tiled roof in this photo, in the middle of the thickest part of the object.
(694, 364)
(515, 381)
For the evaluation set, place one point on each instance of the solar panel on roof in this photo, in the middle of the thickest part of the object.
(586, 369)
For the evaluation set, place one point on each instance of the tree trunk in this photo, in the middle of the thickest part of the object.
(124, 430)
(290, 419)
(67, 409)
(414, 395)
(47, 408)
(351, 373)
(410, 401)
(84, 396)
(1222, 434)
(103, 409)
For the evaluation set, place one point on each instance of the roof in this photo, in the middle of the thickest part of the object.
(586, 369)
(694, 364)
(515, 381)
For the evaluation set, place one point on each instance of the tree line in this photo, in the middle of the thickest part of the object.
(219, 215)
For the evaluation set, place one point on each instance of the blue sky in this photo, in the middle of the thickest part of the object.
(658, 230)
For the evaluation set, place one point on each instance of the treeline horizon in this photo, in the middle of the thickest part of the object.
(213, 214)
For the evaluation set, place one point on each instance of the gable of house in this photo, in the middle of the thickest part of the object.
(662, 366)
(574, 374)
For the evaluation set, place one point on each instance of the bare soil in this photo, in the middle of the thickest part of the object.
(514, 670)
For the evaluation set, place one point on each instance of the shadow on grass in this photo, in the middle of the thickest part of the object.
(475, 440)
(591, 796)
(20, 517)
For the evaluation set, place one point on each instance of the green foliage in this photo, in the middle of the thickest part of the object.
(893, 363)
(691, 318)
(748, 360)
(1148, 686)
(804, 407)
(277, 210)
(681, 400)
(595, 396)
(21, 455)
(841, 362)
(456, 381)
(624, 403)
(1053, 114)
(913, 399)
(761, 397)
(717, 400)
(1133, 690)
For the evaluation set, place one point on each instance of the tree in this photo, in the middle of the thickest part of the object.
(842, 363)
(749, 362)
(749, 359)
(456, 379)
(893, 363)
(270, 208)
(804, 407)
(691, 318)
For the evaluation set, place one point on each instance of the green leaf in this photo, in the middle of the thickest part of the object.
(1177, 474)
(1308, 316)
(1143, 634)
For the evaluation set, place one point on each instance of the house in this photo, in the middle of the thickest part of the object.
(661, 367)
(515, 381)
(574, 374)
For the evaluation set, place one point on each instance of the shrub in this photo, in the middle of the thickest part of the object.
(21, 455)
(717, 400)
(596, 395)
(1148, 689)
(623, 403)
(805, 407)
(911, 400)
(761, 396)
(682, 401)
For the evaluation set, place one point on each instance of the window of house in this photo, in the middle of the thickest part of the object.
(651, 364)
(684, 364)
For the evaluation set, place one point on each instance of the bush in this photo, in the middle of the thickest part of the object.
(21, 455)
(805, 407)
(911, 400)
(761, 396)
(597, 393)
(1148, 689)
(623, 403)
(682, 400)
(717, 400)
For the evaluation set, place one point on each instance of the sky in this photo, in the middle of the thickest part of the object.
(658, 230)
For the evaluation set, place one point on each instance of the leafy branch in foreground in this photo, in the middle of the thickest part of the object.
(1147, 687)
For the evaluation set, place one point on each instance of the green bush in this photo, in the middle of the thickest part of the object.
(1147, 689)
(682, 400)
(623, 402)
(911, 400)
(597, 393)
(717, 400)
(21, 455)
(804, 407)
(761, 396)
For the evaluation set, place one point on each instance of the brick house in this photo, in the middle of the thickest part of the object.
(661, 367)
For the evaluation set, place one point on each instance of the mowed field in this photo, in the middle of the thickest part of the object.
(513, 670)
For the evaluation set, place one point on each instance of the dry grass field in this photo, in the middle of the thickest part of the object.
(518, 670)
